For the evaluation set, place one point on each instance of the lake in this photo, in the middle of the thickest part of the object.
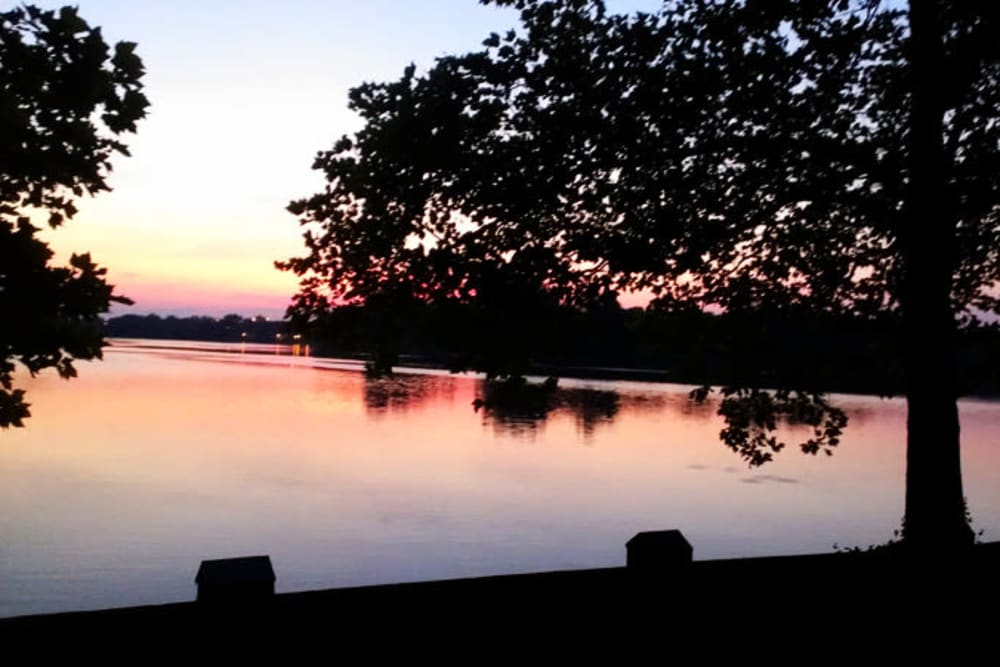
(169, 453)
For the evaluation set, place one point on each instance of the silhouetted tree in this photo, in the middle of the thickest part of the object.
(64, 100)
(838, 157)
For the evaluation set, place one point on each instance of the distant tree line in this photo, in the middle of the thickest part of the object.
(231, 328)
(534, 335)
(845, 354)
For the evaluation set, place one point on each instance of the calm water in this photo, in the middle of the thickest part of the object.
(127, 477)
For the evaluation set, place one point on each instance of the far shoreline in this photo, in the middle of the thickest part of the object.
(417, 365)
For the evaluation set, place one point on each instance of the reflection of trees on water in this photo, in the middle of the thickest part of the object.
(515, 407)
(400, 393)
(514, 426)
(522, 410)
(523, 413)
(691, 409)
(590, 408)
(861, 413)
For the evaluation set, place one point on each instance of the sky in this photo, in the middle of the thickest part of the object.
(243, 95)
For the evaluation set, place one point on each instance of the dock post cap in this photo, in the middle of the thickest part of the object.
(247, 577)
(657, 550)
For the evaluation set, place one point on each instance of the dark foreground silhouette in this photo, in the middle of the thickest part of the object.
(850, 605)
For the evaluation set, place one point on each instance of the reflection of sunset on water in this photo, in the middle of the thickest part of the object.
(158, 458)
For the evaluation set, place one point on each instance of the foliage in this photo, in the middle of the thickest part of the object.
(64, 100)
(833, 156)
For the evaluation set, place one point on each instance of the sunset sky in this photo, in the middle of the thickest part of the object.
(243, 94)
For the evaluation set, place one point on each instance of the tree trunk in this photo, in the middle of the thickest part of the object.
(935, 505)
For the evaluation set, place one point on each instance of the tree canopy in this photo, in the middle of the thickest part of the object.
(730, 154)
(829, 156)
(66, 97)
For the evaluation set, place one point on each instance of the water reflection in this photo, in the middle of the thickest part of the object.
(517, 413)
(156, 459)
(516, 407)
(396, 394)
(761, 479)
(590, 408)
